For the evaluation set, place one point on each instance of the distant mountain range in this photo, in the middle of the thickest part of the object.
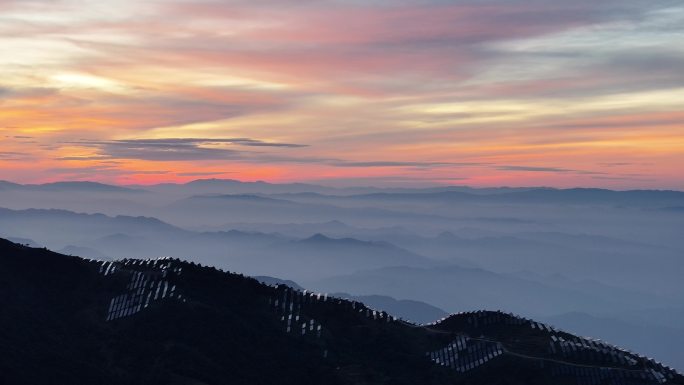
(293, 190)
(610, 255)
(67, 320)
(99, 235)
(66, 186)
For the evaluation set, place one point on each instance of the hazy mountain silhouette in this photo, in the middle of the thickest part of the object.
(538, 195)
(416, 311)
(467, 288)
(252, 252)
(5, 185)
(231, 186)
(78, 186)
(273, 281)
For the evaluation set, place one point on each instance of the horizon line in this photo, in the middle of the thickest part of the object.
(347, 187)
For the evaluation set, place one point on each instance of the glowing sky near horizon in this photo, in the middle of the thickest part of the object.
(481, 93)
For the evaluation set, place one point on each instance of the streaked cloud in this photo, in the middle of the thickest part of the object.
(546, 169)
(11, 155)
(533, 169)
(203, 173)
(400, 164)
(180, 142)
(397, 90)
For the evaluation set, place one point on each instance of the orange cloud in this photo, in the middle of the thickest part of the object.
(479, 94)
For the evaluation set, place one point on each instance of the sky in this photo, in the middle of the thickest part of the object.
(401, 92)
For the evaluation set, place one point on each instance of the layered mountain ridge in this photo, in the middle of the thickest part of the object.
(165, 321)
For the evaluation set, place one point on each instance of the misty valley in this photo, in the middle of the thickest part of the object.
(597, 263)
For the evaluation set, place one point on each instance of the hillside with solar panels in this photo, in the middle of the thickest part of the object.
(165, 321)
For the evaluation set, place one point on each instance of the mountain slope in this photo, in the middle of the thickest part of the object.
(70, 320)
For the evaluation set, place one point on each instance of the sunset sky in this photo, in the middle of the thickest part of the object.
(385, 92)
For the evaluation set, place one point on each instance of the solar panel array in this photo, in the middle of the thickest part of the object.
(294, 309)
(150, 280)
(464, 353)
(482, 337)
(591, 361)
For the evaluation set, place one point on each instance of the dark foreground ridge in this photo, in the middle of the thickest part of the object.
(67, 320)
